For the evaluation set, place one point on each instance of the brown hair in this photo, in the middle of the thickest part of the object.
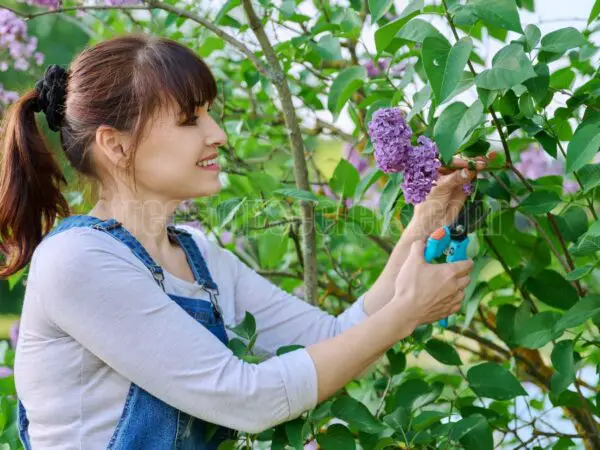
(120, 82)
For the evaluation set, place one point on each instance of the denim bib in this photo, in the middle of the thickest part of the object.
(146, 422)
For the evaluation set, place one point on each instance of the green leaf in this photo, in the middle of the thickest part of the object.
(246, 328)
(552, 289)
(538, 85)
(420, 99)
(538, 330)
(345, 178)
(378, 9)
(562, 40)
(444, 64)
(540, 202)
(532, 36)
(572, 223)
(548, 142)
(295, 433)
(288, 348)
(588, 245)
(564, 363)
(417, 30)
(526, 105)
(344, 86)
(338, 437)
(505, 320)
(329, 48)
(494, 381)
(595, 12)
(500, 13)
(399, 419)
(455, 125)
(356, 414)
(579, 273)
(583, 310)
(443, 352)
(562, 79)
(397, 361)
(584, 144)
(385, 34)
(298, 194)
(473, 432)
(426, 419)
(510, 66)
(589, 176)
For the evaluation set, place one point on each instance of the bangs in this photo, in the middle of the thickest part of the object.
(177, 77)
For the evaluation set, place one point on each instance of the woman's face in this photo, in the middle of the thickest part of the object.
(168, 162)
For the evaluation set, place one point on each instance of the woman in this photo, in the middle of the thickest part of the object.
(122, 342)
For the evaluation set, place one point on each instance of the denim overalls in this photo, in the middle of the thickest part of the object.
(146, 422)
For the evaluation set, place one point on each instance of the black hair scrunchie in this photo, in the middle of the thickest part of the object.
(52, 93)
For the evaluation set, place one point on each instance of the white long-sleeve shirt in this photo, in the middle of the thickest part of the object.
(94, 320)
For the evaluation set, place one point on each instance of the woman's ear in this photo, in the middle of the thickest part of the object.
(111, 145)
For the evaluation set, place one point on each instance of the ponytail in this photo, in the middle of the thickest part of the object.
(30, 178)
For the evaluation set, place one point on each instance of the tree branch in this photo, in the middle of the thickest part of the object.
(152, 4)
(297, 144)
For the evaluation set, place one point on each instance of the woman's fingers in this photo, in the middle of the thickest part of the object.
(460, 163)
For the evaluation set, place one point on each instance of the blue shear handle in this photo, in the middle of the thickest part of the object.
(458, 252)
(436, 245)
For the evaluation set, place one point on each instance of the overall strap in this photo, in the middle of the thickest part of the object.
(194, 256)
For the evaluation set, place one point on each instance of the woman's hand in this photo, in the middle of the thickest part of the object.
(446, 199)
(422, 301)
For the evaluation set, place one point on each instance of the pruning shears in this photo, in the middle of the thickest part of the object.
(453, 239)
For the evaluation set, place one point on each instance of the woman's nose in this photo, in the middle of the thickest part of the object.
(216, 137)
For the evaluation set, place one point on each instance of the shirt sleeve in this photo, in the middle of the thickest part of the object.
(112, 306)
(282, 318)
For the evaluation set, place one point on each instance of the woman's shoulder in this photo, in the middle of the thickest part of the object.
(79, 246)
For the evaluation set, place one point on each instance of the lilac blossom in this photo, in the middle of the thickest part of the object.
(535, 163)
(390, 135)
(374, 69)
(421, 171)
(5, 371)
(121, 2)
(14, 333)
(50, 4)
(467, 188)
(7, 97)
(17, 48)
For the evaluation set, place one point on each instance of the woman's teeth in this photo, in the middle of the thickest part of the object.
(208, 162)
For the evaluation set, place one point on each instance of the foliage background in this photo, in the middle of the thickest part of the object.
(519, 368)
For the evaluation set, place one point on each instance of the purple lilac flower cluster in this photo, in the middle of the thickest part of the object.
(421, 171)
(120, 2)
(376, 68)
(16, 43)
(7, 97)
(50, 4)
(394, 152)
(390, 135)
(536, 163)
(14, 336)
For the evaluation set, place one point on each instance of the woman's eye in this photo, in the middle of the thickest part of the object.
(191, 120)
